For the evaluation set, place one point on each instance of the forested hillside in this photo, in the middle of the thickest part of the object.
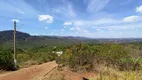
(24, 40)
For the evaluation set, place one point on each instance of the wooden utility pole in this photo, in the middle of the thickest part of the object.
(15, 61)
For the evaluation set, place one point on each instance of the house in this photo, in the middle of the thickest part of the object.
(59, 53)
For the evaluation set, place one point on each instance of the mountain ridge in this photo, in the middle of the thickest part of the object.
(25, 40)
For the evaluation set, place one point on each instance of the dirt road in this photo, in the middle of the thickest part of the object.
(39, 72)
(31, 73)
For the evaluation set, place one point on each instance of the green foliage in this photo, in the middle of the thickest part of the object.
(78, 57)
(43, 57)
(23, 57)
(29, 44)
(84, 56)
(36, 55)
(129, 64)
(114, 51)
(6, 59)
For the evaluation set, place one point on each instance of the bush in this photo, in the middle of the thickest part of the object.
(22, 58)
(6, 60)
(113, 51)
(129, 64)
(42, 57)
(78, 57)
(35, 56)
(84, 56)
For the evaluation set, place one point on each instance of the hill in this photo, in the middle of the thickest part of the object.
(8, 35)
(25, 40)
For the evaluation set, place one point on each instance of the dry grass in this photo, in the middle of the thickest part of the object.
(3, 72)
(114, 74)
(28, 64)
(104, 73)
(54, 75)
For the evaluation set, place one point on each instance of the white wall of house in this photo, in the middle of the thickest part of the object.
(59, 53)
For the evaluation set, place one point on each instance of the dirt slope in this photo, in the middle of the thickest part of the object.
(35, 72)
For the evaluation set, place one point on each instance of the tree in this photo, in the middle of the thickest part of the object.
(6, 60)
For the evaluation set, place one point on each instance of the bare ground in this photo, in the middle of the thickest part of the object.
(31, 73)
(46, 71)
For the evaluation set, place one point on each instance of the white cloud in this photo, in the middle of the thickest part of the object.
(72, 29)
(125, 27)
(96, 5)
(62, 30)
(15, 20)
(79, 30)
(47, 18)
(85, 31)
(139, 9)
(125, 2)
(108, 24)
(131, 19)
(65, 26)
(10, 8)
(76, 28)
(98, 29)
(66, 10)
(67, 23)
(94, 23)
(109, 29)
(79, 23)
(71, 11)
(107, 21)
(128, 29)
(20, 11)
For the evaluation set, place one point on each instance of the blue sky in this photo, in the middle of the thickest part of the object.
(88, 18)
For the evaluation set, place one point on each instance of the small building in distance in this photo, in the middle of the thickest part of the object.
(59, 53)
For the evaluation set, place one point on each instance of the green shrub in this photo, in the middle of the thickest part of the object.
(22, 58)
(84, 56)
(113, 51)
(129, 64)
(6, 60)
(43, 57)
(78, 57)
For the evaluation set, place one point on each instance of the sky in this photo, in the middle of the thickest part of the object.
(86, 18)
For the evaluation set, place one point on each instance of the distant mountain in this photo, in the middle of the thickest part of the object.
(25, 40)
(8, 35)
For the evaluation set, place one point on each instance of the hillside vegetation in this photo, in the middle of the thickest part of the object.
(26, 41)
(107, 60)
(113, 61)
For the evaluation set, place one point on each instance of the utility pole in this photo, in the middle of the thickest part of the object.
(15, 61)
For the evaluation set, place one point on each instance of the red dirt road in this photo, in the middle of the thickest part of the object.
(30, 73)
(69, 75)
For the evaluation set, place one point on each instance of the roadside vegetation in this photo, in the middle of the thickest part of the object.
(108, 61)
(26, 58)
(6, 59)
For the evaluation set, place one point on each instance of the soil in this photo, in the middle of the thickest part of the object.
(30, 73)
(46, 71)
